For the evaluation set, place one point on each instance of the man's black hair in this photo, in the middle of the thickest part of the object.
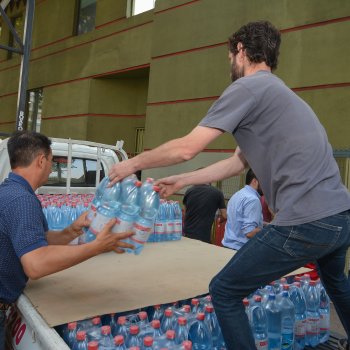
(250, 176)
(24, 146)
(260, 40)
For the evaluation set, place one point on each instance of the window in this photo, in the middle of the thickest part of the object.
(139, 140)
(86, 16)
(17, 23)
(83, 172)
(34, 109)
(139, 6)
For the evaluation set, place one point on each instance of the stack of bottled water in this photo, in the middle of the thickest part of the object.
(61, 210)
(173, 327)
(168, 223)
(289, 316)
(281, 315)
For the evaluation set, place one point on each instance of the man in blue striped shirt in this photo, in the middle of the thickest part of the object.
(244, 214)
(28, 248)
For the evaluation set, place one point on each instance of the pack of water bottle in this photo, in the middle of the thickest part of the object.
(136, 207)
(289, 316)
(168, 222)
(185, 325)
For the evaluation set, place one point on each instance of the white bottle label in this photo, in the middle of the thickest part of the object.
(141, 233)
(122, 226)
(170, 227)
(159, 228)
(300, 328)
(98, 223)
(324, 322)
(92, 212)
(312, 326)
(261, 344)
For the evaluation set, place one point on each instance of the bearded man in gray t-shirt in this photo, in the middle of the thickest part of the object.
(282, 140)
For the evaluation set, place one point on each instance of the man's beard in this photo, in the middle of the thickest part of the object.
(236, 72)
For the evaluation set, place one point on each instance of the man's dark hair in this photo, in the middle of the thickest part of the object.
(260, 40)
(250, 176)
(24, 146)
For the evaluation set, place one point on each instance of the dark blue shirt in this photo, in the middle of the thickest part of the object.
(22, 230)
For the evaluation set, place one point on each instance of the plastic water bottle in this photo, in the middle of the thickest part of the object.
(199, 334)
(96, 201)
(181, 332)
(122, 327)
(144, 223)
(92, 345)
(195, 305)
(168, 320)
(94, 332)
(177, 221)
(288, 317)
(274, 322)
(147, 343)
(259, 325)
(133, 339)
(312, 315)
(56, 216)
(170, 221)
(186, 345)
(143, 319)
(119, 343)
(158, 312)
(113, 324)
(146, 188)
(81, 342)
(305, 281)
(106, 342)
(170, 339)
(213, 325)
(72, 334)
(104, 214)
(128, 210)
(127, 184)
(297, 297)
(324, 315)
(160, 234)
(157, 332)
(246, 304)
(112, 196)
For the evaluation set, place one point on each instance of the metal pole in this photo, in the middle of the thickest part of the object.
(21, 121)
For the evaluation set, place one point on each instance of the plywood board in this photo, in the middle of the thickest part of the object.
(162, 273)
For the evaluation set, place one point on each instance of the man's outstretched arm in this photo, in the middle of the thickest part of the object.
(172, 152)
(223, 169)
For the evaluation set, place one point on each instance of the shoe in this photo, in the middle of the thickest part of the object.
(343, 344)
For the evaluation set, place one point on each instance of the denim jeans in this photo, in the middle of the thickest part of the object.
(2, 329)
(276, 251)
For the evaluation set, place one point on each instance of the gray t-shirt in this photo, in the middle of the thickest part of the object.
(285, 145)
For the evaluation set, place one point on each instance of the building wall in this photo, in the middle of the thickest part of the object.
(164, 68)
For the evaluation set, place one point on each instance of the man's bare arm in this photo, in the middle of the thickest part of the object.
(172, 152)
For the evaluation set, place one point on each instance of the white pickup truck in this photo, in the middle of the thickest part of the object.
(78, 166)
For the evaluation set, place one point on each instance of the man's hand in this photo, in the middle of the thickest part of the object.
(121, 170)
(107, 241)
(77, 226)
(169, 185)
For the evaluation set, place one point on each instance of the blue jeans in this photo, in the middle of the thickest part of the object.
(276, 251)
(2, 329)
